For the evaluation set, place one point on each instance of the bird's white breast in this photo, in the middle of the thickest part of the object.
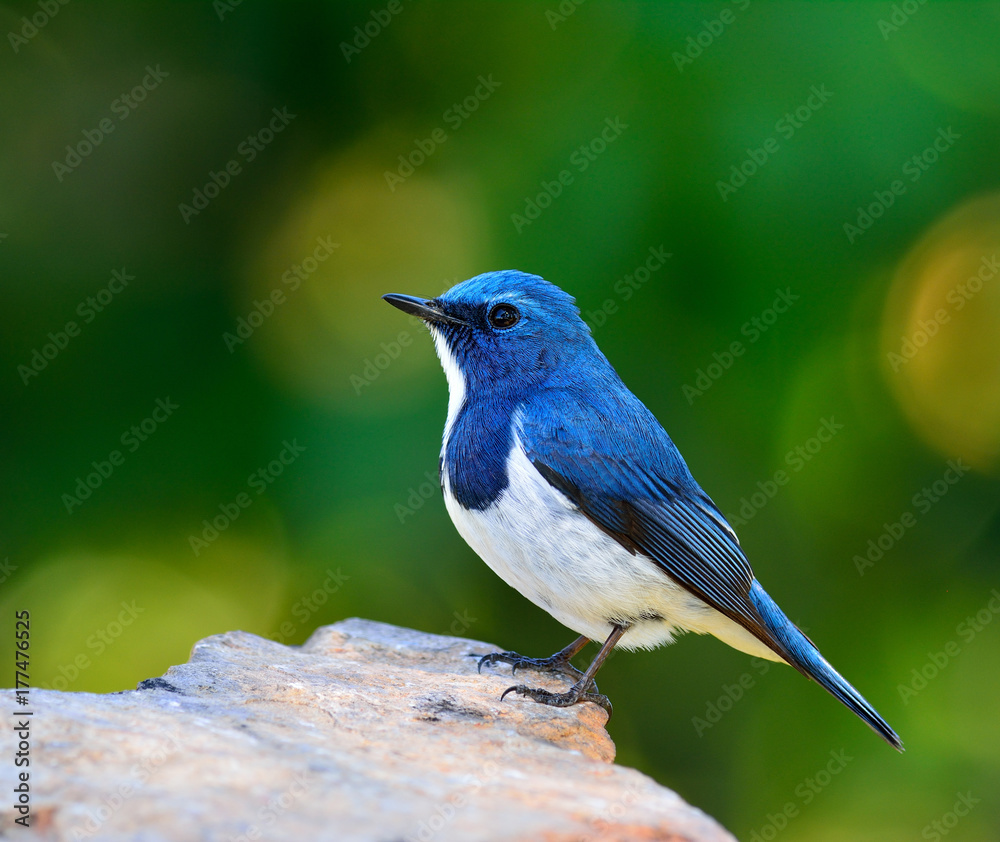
(537, 541)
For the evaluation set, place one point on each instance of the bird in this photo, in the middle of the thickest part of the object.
(571, 491)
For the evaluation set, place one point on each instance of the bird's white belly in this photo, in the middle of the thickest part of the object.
(536, 540)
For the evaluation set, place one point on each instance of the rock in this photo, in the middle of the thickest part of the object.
(366, 732)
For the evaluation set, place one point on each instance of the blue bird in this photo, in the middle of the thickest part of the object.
(571, 491)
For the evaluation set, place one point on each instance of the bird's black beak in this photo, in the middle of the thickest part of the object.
(423, 308)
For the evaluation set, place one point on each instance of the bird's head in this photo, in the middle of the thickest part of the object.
(505, 331)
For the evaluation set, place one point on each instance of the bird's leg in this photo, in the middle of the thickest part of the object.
(579, 692)
(560, 662)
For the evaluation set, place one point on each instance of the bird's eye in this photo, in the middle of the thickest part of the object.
(503, 316)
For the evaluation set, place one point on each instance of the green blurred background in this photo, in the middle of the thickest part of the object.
(833, 101)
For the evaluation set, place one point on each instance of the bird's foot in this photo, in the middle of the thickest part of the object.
(554, 663)
(577, 693)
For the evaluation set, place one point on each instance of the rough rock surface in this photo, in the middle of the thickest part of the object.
(367, 732)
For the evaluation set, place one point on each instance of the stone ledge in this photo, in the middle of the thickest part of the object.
(366, 732)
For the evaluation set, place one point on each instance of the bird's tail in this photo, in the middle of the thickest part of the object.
(802, 654)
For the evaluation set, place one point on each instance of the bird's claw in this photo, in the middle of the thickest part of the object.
(573, 696)
(554, 663)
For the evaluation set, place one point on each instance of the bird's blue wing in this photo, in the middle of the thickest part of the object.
(611, 458)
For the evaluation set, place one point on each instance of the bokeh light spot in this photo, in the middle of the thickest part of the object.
(419, 238)
(941, 335)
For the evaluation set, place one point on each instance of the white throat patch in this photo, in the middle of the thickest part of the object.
(456, 381)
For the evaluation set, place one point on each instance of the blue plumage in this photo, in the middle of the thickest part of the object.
(569, 488)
